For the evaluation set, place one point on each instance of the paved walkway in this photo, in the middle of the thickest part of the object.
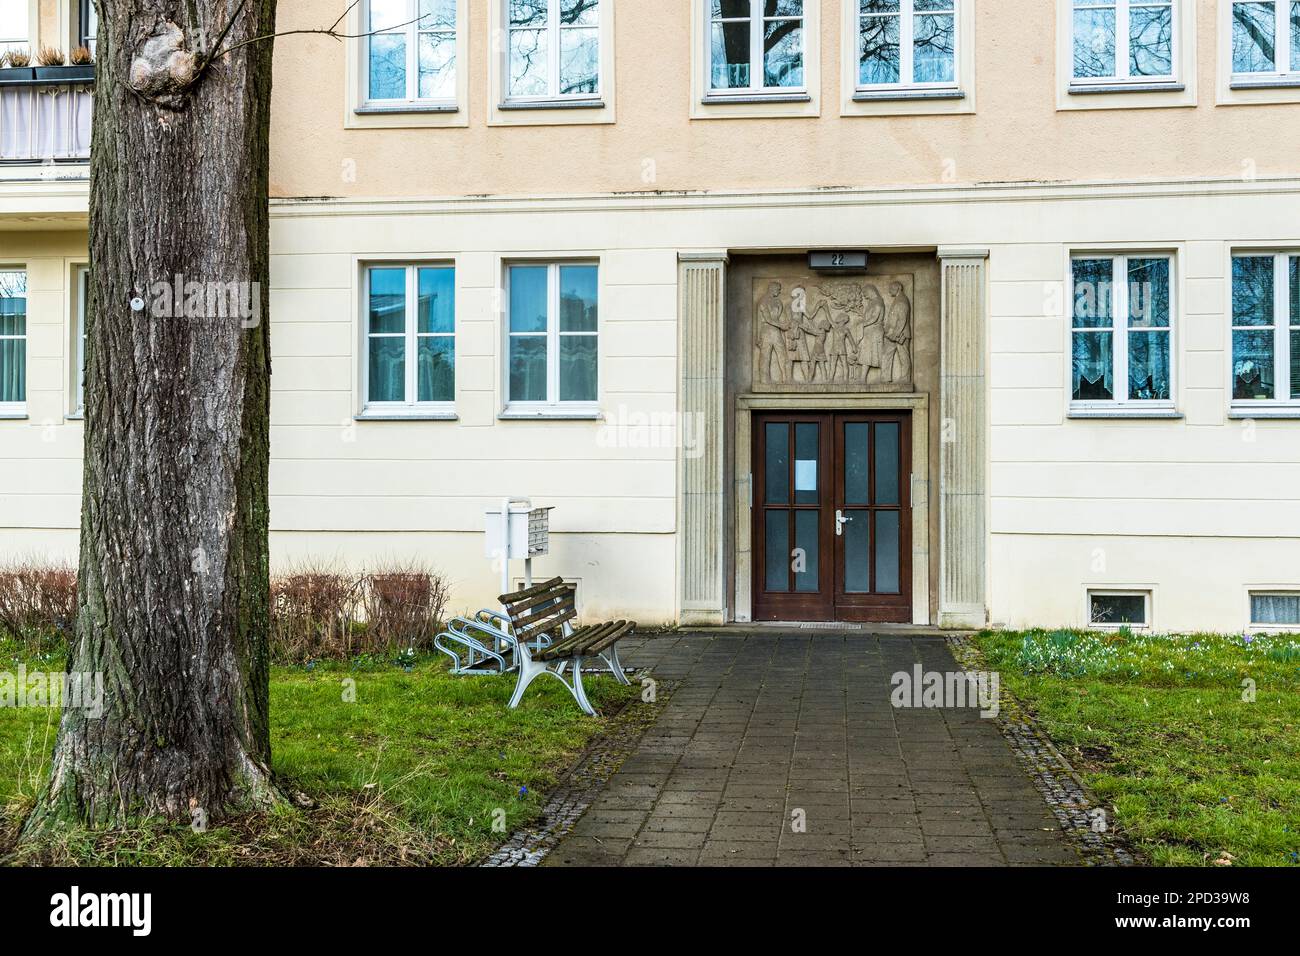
(763, 727)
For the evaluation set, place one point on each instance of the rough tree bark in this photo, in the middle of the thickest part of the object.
(173, 579)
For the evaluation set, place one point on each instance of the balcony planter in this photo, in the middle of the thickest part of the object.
(65, 74)
(17, 76)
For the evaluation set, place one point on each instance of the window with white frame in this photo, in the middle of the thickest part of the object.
(1119, 608)
(410, 360)
(909, 43)
(14, 28)
(1275, 609)
(553, 49)
(410, 54)
(1120, 338)
(79, 334)
(1266, 327)
(1266, 38)
(13, 340)
(755, 46)
(553, 328)
(1124, 40)
(87, 24)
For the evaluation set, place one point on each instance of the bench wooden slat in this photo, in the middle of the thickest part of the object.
(574, 643)
(515, 597)
(544, 624)
(562, 593)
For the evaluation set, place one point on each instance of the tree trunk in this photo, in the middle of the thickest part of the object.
(173, 577)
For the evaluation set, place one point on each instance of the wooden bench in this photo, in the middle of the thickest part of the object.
(547, 610)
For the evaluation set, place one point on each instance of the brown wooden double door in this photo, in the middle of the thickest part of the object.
(832, 535)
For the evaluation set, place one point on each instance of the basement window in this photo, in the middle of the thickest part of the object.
(1275, 609)
(1114, 609)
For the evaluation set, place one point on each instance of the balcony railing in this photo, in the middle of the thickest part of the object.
(45, 114)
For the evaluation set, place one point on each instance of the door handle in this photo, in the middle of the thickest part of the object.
(840, 521)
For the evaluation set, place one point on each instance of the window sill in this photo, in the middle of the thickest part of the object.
(724, 100)
(13, 416)
(553, 412)
(875, 96)
(75, 416)
(1124, 411)
(1265, 83)
(1076, 90)
(1245, 411)
(413, 415)
(374, 110)
(575, 104)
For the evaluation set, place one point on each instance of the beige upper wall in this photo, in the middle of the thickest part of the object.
(1016, 134)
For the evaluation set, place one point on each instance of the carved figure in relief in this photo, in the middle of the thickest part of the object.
(898, 336)
(871, 341)
(773, 335)
(813, 331)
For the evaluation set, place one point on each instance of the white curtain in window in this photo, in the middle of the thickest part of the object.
(44, 122)
(1275, 608)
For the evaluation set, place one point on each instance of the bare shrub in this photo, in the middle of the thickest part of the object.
(38, 604)
(404, 607)
(49, 56)
(314, 608)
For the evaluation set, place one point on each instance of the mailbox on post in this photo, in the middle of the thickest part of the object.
(516, 531)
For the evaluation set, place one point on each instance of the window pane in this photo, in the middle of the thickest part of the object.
(730, 55)
(437, 300)
(856, 456)
(783, 53)
(13, 370)
(528, 298)
(579, 61)
(1254, 34)
(776, 480)
(1275, 609)
(887, 463)
(886, 552)
(528, 51)
(1252, 364)
(1151, 41)
(1295, 363)
(388, 66)
(1294, 268)
(1148, 366)
(527, 368)
(806, 458)
(1094, 42)
(436, 368)
(934, 60)
(531, 13)
(805, 539)
(857, 553)
(783, 8)
(879, 6)
(1118, 608)
(437, 66)
(577, 368)
(1295, 35)
(580, 12)
(577, 298)
(1148, 293)
(437, 14)
(776, 551)
(387, 300)
(388, 14)
(1093, 279)
(1092, 375)
(879, 57)
(387, 368)
(1252, 290)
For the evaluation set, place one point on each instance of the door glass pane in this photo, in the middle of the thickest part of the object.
(857, 552)
(806, 447)
(805, 557)
(856, 456)
(776, 481)
(776, 550)
(887, 463)
(887, 552)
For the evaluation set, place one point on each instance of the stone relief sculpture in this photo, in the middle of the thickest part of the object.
(838, 332)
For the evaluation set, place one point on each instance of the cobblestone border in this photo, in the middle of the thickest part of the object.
(576, 791)
(1053, 776)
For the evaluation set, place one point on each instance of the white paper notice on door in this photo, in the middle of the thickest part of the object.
(805, 474)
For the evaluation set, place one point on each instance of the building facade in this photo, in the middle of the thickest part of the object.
(931, 312)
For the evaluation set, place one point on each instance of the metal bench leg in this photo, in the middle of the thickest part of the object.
(528, 669)
(610, 657)
(579, 694)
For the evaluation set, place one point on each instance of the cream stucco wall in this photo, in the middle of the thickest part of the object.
(1016, 134)
(1197, 509)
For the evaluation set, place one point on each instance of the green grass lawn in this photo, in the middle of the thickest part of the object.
(1160, 728)
(423, 768)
